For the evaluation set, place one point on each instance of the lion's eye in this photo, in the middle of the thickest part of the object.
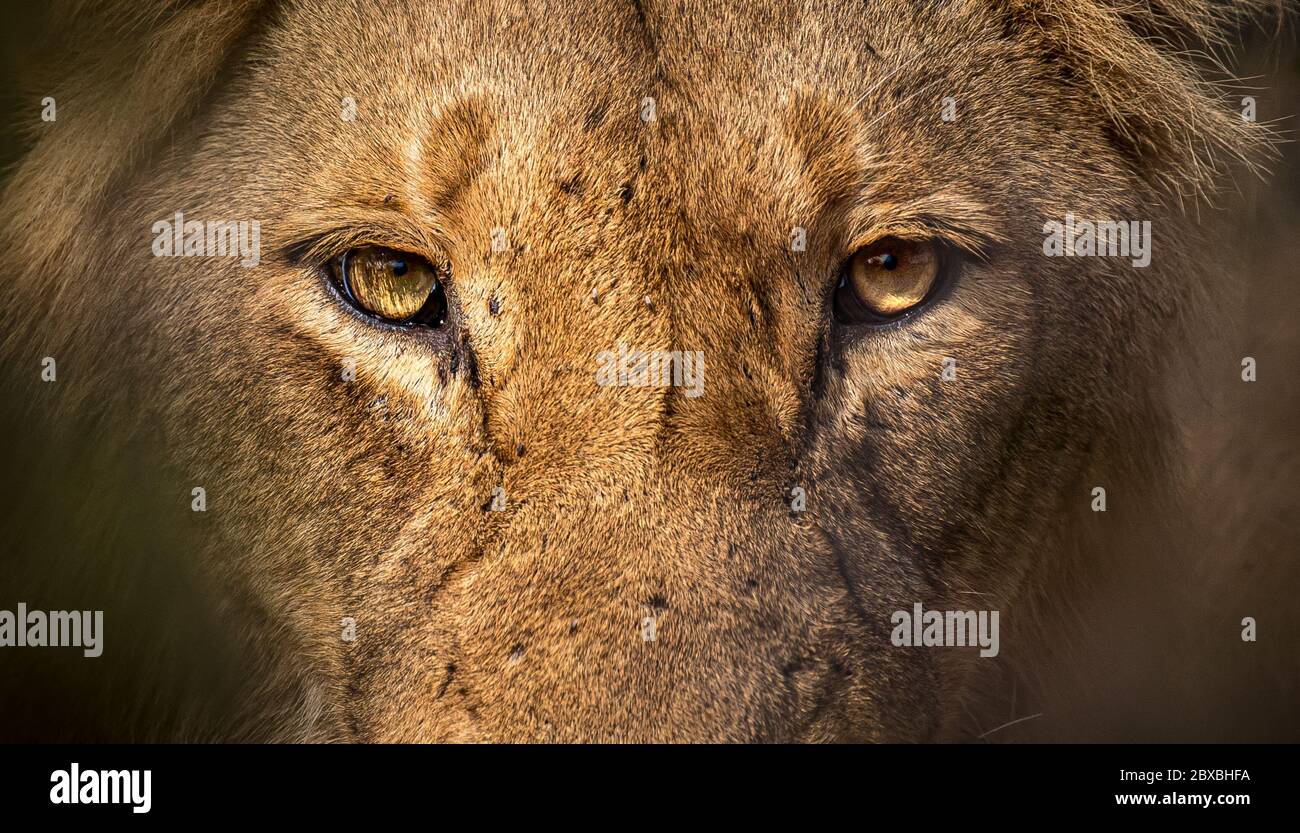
(398, 287)
(886, 279)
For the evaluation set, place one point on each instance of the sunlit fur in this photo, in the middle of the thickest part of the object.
(371, 498)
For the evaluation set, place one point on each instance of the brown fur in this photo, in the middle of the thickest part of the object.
(332, 499)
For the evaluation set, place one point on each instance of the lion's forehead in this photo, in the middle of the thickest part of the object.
(749, 123)
(693, 79)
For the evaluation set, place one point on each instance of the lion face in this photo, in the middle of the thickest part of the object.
(524, 549)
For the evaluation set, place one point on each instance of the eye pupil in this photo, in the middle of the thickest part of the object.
(399, 267)
(887, 260)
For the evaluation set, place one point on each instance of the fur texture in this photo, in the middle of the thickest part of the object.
(370, 498)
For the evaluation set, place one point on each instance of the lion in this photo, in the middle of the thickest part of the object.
(636, 371)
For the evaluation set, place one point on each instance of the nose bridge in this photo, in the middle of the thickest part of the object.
(662, 338)
(744, 412)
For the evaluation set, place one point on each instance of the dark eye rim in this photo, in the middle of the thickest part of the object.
(950, 259)
(433, 315)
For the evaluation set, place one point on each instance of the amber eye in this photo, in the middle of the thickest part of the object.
(398, 287)
(886, 279)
